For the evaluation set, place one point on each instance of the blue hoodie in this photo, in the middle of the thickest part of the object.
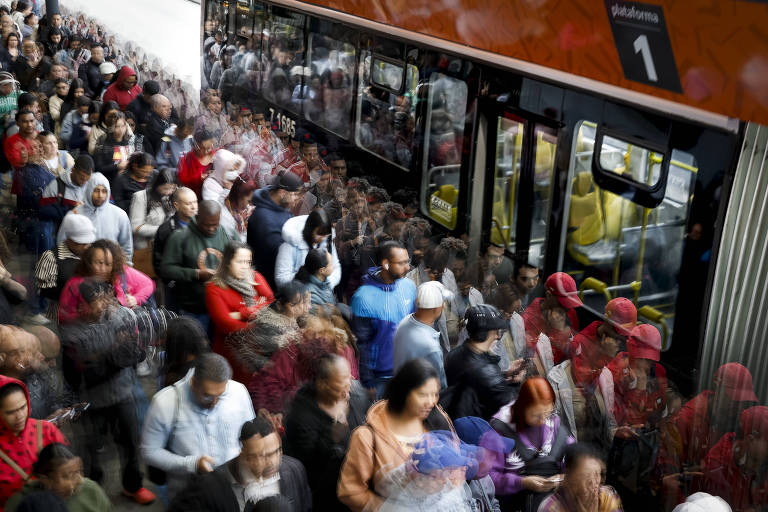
(377, 310)
(265, 232)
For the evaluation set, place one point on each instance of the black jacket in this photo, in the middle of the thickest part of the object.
(162, 235)
(213, 492)
(476, 386)
(311, 437)
(90, 74)
(153, 132)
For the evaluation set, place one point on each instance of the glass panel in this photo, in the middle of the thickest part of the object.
(635, 251)
(445, 129)
(386, 121)
(546, 147)
(630, 161)
(283, 78)
(333, 71)
(244, 19)
(387, 74)
(509, 147)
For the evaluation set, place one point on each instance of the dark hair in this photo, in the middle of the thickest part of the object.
(140, 159)
(314, 261)
(61, 81)
(28, 16)
(377, 195)
(55, 31)
(84, 163)
(503, 297)
(106, 108)
(317, 220)
(212, 367)
(76, 83)
(94, 107)
(26, 99)
(324, 365)
(201, 135)
(258, 426)
(385, 249)
(289, 291)
(276, 503)
(83, 101)
(230, 250)
(575, 452)
(164, 176)
(520, 265)
(45, 133)
(118, 259)
(42, 500)
(23, 112)
(11, 34)
(51, 457)
(242, 187)
(185, 337)
(10, 389)
(412, 375)
(22, 5)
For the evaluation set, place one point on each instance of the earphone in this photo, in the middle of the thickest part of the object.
(386, 266)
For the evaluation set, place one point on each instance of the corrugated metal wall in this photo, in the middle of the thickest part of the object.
(738, 314)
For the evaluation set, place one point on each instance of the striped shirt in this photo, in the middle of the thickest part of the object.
(47, 270)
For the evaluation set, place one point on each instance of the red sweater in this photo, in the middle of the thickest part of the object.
(22, 449)
(190, 172)
(121, 96)
(220, 302)
(560, 340)
(725, 479)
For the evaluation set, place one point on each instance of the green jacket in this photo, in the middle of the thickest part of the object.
(89, 497)
(186, 251)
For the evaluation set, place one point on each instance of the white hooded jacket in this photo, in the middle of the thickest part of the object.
(110, 221)
(224, 162)
(293, 251)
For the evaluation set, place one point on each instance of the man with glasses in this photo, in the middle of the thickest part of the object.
(476, 384)
(191, 427)
(259, 472)
(383, 300)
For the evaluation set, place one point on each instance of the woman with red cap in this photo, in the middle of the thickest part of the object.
(736, 465)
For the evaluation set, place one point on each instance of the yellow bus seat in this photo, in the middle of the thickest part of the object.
(443, 205)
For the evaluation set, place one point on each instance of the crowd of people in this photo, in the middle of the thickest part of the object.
(308, 341)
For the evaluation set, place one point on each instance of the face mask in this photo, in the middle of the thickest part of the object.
(231, 175)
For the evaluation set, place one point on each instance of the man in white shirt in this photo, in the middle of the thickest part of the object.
(194, 425)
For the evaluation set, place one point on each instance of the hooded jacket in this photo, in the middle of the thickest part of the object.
(224, 161)
(378, 308)
(171, 149)
(115, 93)
(54, 206)
(110, 221)
(293, 251)
(22, 449)
(265, 228)
(185, 252)
(373, 452)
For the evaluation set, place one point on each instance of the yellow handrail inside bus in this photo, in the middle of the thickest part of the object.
(592, 283)
(657, 317)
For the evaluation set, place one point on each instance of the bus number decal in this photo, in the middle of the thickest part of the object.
(641, 47)
(284, 123)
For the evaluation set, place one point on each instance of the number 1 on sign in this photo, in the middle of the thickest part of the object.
(642, 47)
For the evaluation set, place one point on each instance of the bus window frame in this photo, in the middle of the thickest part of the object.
(639, 193)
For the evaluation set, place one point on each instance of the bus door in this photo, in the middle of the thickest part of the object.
(520, 164)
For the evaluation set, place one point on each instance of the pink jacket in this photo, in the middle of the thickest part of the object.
(72, 306)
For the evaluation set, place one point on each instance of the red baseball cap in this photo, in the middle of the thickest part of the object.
(737, 382)
(644, 342)
(622, 314)
(755, 421)
(562, 286)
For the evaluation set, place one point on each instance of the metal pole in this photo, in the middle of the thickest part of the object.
(51, 7)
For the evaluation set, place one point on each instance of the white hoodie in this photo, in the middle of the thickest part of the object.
(293, 251)
(224, 162)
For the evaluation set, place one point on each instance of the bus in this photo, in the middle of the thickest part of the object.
(617, 141)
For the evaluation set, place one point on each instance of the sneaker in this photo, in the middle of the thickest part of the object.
(38, 319)
(143, 369)
(143, 496)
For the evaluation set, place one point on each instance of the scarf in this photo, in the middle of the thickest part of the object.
(243, 287)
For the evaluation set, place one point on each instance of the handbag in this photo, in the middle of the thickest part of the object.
(156, 475)
(142, 261)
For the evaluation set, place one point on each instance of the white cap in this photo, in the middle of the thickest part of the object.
(106, 68)
(703, 502)
(431, 295)
(78, 228)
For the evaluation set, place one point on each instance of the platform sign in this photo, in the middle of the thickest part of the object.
(641, 38)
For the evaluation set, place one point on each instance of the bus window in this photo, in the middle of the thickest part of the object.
(442, 147)
(244, 19)
(635, 252)
(386, 121)
(241, 83)
(333, 68)
(286, 76)
(544, 168)
(509, 147)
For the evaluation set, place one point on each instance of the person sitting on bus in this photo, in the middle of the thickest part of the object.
(551, 315)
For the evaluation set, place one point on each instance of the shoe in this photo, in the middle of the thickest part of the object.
(143, 369)
(38, 319)
(143, 496)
